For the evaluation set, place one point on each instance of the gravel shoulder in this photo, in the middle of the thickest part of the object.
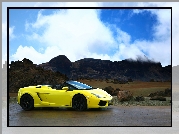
(147, 102)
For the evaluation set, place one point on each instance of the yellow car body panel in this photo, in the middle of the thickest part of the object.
(45, 96)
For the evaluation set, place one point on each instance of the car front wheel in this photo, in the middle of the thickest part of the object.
(79, 103)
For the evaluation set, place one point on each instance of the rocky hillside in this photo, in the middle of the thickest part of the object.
(90, 68)
(24, 73)
(60, 63)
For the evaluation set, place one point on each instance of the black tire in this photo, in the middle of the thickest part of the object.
(79, 103)
(27, 102)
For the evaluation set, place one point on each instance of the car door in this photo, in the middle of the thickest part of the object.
(43, 93)
(61, 97)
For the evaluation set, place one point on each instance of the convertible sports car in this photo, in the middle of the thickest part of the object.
(69, 94)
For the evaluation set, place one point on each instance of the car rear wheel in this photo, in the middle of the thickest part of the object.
(79, 103)
(27, 102)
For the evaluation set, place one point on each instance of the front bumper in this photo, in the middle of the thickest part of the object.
(99, 102)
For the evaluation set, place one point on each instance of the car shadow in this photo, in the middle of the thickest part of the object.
(68, 109)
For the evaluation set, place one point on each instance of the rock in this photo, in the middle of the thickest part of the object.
(166, 93)
(139, 98)
(115, 92)
(109, 90)
(117, 89)
(160, 98)
(124, 95)
(27, 61)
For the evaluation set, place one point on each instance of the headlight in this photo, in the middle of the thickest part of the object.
(96, 95)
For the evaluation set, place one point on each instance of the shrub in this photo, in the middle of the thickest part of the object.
(160, 98)
(124, 95)
(139, 98)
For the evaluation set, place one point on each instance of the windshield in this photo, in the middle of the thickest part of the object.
(79, 85)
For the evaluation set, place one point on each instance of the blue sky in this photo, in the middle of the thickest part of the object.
(108, 34)
(139, 26)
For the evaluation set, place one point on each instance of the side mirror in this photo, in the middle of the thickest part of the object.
(65, 88)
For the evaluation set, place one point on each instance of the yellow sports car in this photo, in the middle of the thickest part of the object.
(69, 94)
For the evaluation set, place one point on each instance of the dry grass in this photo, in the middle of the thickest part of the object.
(136, 87)
(13, 94)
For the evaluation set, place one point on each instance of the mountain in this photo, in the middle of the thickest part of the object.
(60, 63)
(90, 68)
(25, 73)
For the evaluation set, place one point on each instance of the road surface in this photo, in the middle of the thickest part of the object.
(111, 116)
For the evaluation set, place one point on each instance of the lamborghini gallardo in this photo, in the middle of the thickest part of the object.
(74, 94)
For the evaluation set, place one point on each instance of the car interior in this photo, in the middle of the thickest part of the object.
(59, 87)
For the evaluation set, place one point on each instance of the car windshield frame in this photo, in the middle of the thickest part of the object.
(79, 85)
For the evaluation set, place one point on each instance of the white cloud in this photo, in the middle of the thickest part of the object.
(126, 52)
(75, 32)
(33, 55)
(163, 29)
(137, 11)
(158, 51)
(11, 34)
(123, 37)
(78, 37)
(78, 34)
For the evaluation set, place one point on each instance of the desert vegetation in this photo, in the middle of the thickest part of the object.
(136, 92)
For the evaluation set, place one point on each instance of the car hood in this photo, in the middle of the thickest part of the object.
(100, 92)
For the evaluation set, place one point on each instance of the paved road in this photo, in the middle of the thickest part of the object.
(111, 116)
